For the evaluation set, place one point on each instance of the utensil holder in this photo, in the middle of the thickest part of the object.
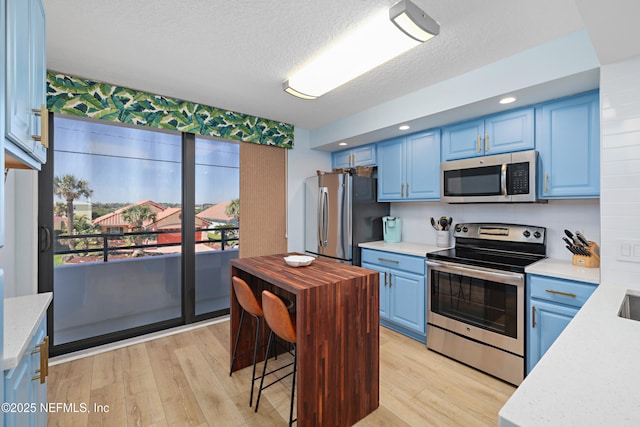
(592, 261)
(443, 239)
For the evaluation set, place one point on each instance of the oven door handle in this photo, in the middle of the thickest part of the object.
(478, 272)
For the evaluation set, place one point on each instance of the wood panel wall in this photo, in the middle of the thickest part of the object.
(263, 200)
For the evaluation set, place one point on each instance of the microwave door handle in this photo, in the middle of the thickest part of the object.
(503, 179)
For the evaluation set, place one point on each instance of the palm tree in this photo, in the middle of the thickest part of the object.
(81, 225)
(233, 210)
(70, 188)
(136, 216)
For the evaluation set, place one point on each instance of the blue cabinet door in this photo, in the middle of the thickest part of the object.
(39, 73)
(568, 141)
(463, 140)
(341, 159)
(546, 322)
(408, 300)
(365, 155)
(18, 79)
(384, 288)
(17, 383)
(509, 132)
(359, 156)
(423, 166)
(391, 170)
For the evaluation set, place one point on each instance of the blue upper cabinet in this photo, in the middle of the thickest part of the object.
(25, 82)
(500, 133)
(409, 168)
(359, 156)
(568, 142)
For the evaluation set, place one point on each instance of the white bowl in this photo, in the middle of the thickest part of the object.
(298, 260)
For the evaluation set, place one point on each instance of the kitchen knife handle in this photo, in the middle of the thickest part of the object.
(479, 143)
(486, 142)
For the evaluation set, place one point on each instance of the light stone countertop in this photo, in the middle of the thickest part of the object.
(589, 376)
(406, 248)
(22, 315)
(564, 270)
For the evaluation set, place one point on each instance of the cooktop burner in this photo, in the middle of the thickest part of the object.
(508, 247)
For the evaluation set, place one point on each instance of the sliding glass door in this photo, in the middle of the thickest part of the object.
(112, 221)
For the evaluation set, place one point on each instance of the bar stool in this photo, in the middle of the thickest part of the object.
(279, 321)
(252, 305)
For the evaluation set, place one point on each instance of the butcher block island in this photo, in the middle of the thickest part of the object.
(337, 319)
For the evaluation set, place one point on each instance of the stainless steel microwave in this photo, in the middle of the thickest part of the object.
(507, 177)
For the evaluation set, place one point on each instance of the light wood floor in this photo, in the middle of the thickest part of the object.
(183, 380)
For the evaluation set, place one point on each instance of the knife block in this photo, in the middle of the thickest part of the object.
(591, 261)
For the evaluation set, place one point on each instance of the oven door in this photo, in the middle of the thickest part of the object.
(482, 304)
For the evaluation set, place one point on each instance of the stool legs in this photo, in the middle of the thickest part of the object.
(255, 351)
(264, 371)
(235, 347)
(293, 386)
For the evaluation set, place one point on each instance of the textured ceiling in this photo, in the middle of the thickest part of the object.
(236, 54)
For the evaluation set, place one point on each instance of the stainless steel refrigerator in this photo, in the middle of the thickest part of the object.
(341, 211)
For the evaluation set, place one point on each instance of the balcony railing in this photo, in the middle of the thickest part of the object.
(112, 243)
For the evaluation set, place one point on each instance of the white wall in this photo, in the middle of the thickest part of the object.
(302, 162)
(620, 167)
(18, 257)
(582, 215)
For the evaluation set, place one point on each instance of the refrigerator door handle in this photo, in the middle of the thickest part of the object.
(325, 216)
(319, 213)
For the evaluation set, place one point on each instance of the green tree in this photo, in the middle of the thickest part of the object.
(60, 209)
(82, 226)
(69, 188)
(136, 216)
(233, 210)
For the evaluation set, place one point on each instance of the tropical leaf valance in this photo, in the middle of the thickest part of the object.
(86, 98)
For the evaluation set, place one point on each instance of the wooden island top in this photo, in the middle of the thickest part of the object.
(337, 321)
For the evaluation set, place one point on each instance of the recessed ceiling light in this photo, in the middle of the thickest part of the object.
(507, 100)
(404, 127)
(342, 143)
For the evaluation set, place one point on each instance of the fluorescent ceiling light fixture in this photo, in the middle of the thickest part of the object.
(507, 100)
(371, 44)
(404, 127)
(342, 143)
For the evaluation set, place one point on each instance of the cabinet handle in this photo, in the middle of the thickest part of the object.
(43, 349)
(479, 144)
(43, 113)
(401, 191)
(551, 291)
(533, 317)
(546, 182)
(385, 278)
(407, 189)
(390, 280)
(486, 142)
(388, 260)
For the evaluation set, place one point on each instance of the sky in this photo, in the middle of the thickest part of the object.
(125, 164)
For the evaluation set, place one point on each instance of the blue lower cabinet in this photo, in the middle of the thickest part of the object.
(402, 291)
(552, 303)
(25, 395)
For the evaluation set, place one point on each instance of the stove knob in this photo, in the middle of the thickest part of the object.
(458, 228)
(526, 233)
(465, 229)
(537, 234)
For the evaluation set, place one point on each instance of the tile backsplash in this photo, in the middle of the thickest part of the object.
(576, 215)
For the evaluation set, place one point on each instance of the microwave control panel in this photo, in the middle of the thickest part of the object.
(518, 178)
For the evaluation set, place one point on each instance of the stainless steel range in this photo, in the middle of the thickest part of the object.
(476, 296)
